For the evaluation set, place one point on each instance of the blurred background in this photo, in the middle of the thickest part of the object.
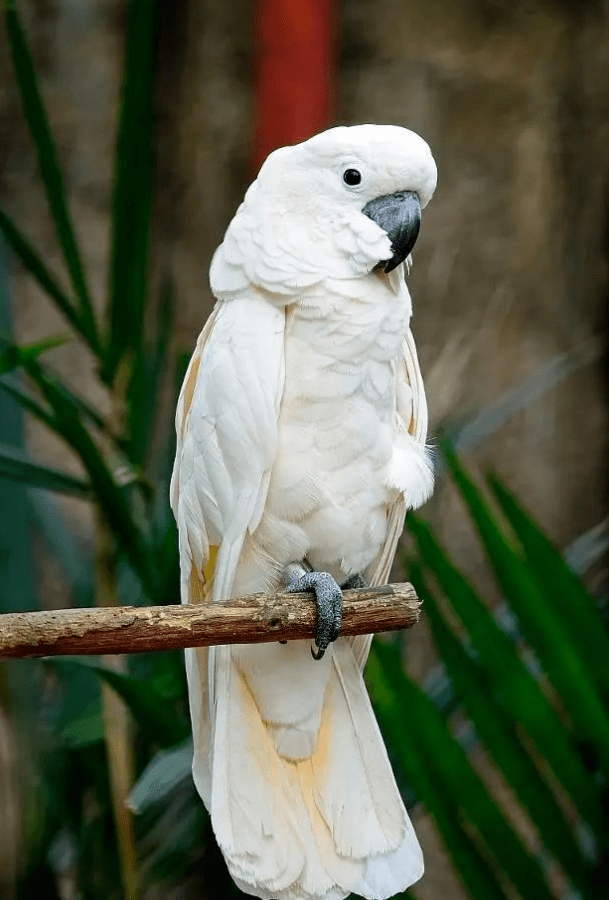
(130, 131)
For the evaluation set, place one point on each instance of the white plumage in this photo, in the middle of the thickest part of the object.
(301, 436)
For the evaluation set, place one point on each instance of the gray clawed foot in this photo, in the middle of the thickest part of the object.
(329, 601)
(353, 582)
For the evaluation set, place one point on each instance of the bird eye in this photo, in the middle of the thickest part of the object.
(352, 177)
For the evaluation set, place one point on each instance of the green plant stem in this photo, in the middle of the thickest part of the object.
(36, 118)
(116, 722)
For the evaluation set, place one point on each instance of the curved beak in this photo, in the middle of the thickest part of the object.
(399, 215)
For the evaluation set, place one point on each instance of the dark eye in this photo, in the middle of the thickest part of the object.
(352, 177)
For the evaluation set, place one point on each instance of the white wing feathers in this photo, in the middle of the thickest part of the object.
(226, 425)
(228, 434)
(413, 414)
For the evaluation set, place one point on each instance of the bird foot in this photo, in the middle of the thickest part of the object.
(329, 602)
(328, 599)
(353, 582)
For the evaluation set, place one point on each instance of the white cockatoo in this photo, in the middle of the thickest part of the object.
(301, 431)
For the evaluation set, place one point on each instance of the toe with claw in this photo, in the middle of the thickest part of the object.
(329, 602)
(354, 581)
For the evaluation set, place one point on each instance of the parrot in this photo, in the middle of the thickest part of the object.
(301, 443)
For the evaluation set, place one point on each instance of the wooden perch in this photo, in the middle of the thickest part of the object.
(247, 620)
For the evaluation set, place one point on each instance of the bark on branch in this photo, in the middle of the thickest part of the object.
(247, 620)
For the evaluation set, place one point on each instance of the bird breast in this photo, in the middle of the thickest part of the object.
(337, 425)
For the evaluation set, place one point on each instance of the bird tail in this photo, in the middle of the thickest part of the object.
(314, 829)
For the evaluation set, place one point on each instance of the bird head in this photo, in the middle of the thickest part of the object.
(339, 205)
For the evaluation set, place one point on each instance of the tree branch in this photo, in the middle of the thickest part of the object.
(247, 620)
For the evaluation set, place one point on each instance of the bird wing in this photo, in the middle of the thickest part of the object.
(226, 425)
(227, 438)
(412, 421)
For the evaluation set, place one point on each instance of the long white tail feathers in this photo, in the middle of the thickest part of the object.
(318, 829)
(199, 694)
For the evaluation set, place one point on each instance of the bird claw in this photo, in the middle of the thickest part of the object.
(353, 582)
(329, 602)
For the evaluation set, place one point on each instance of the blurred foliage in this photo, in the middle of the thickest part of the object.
(528, 691)
(534, 696)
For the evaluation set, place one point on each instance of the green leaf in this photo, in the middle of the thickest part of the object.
(500, 736)
(510, 679)
(165, 771)
(150, 709)
(84, 729)
(65, 420)
(563, 591)
(13, 387)
(75, 714)
(50, 172)
(70, 549)
(16, 538)
(12, 356)
(132, 187)
(36, 267)
(547, 634)
(82, 406)
(16, 465)
(143, 391)
(454, 775)
(470, 864)
(113, 500)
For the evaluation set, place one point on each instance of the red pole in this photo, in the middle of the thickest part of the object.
(293, 72)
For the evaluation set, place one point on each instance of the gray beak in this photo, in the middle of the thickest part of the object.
(400, 216)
